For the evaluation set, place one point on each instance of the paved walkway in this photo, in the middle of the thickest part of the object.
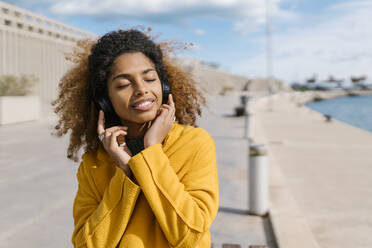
(232, 225)
(327, 169)
(38, 184)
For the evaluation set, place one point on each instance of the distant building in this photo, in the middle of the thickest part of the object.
(32, 44)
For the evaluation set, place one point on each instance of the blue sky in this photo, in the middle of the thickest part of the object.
(321, 37)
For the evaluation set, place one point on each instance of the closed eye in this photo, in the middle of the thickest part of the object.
(122, 86)
(125, 85)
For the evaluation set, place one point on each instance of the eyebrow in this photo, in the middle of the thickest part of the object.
(123, 75)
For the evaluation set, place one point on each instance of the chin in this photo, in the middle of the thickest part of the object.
(145, 117)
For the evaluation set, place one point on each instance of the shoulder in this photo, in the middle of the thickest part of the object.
(199, 145)
(200, 134)
(195, 136)
(203, 140)
(88, 162)
(93, 161)
(89, 159)
(95, 157)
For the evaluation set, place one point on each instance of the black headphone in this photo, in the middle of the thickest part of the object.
(112, 119)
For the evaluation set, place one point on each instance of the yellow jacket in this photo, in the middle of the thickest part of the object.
(173, 205)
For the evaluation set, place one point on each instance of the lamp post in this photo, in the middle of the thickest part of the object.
(269, 63)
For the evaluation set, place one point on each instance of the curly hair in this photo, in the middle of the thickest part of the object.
(92, 60)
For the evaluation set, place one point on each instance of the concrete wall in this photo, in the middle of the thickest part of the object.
(32, 44)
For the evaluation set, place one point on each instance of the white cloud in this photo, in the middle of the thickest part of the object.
(199, 31)
(255, 16)
(247, 15)
(338, 43)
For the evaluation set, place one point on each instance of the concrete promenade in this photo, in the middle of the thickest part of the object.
(321, 176)
(37, 186)
(38, 183)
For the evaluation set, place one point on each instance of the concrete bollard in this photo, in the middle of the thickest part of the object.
(258, 180)
(248, 118)
(248, 125)
(243, 100)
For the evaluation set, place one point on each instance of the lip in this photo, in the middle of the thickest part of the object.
(141, 101)
(147, 107)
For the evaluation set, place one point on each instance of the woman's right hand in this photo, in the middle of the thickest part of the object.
(112, 136)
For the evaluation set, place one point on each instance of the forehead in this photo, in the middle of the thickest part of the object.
(131, 62)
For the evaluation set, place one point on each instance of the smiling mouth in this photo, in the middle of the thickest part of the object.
(145, 105)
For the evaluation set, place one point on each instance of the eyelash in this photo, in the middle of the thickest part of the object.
(125, 85)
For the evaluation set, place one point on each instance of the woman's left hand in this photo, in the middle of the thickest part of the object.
(161, 125)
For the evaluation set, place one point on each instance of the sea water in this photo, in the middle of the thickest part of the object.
(354, 110)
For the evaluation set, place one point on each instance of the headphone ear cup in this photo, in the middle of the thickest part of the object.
(111, 118)
(101, 104)
(166, 91)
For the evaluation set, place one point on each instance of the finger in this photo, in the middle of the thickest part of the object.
(171, 106)
(107, 133)
(161, 115)
(170, 109)
(101, 123)
(118, 132)
(114, 135)
(164, 111)
(173, 111)
(170, 99)
(161, 110)
(110, 130)
(113, 129)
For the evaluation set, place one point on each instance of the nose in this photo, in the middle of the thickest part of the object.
(140, 88)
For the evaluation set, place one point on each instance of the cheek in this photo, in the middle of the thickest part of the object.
(120, 101)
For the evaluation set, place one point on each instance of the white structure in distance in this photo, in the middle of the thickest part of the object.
(32, 44)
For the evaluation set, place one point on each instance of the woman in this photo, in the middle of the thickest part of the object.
(145, 180)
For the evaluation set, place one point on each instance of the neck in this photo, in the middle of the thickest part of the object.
(135, 130)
